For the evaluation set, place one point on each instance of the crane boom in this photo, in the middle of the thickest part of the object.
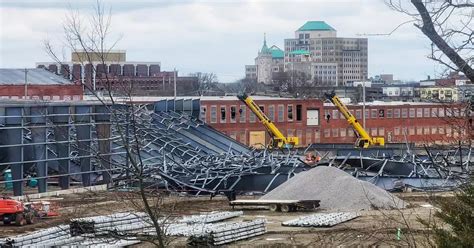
(279, 140)
(364, 140)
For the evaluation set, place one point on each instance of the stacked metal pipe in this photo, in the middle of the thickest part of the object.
(119, 229)
(228, 233)
(321, 219)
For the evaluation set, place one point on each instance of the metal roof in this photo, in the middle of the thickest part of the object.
(37, 76)
(300, 52)
(316, 26)
(277, 53)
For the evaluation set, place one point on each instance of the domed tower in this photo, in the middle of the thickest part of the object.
(264, 63)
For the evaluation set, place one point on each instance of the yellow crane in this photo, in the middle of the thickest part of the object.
(364, 140)
(279, 140)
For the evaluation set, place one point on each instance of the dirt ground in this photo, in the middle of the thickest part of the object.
(372, 228)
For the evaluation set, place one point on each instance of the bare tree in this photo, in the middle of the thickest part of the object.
(207, 82)
(92, 39)
(448, 25)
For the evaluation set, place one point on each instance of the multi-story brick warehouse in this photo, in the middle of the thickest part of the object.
(37, 84)
(114, 73)
(307, 119)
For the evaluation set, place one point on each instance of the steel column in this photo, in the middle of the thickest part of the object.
(62, 136)
(83, 130)
(38, 135)
(14, 136)
(103, 126)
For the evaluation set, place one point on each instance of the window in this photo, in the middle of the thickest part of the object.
(441, 130)
(317, 137)
(456, 112)
(396, 113)
(419, 113)
(242, 112)
(327, 132)
(213, 114)
(412, 113)
(223, 114)
(426, 112)
(434, 112)
(389, 113)
(233, 113)
(426, 130)
(281, 109)
(308, 137)
(367, 116)
(335, 114)
(335, 132)
(434, 130)
(242, 137)
(350, 132)
(299, 134)
(359, 114)
(290, 112)
(381, 113)
(271, 113)
(252, 117)
(343, 132)
(440, 112)
(373, 113)
(290, 133)
(381, 131)
(397, 131)
(373, 131)
(202, 114)
(449, 131)
(419, 130)
(298, 112)
(449, 112)
(411, 130)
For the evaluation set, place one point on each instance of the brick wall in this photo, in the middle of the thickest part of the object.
(42, 92)
(423, 123)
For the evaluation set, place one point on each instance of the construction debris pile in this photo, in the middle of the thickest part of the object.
(336, 189)
(123, 229)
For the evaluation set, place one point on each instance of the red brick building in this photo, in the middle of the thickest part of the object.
(307, 119)
(37, 84)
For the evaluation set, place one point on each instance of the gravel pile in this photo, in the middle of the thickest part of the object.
(336, 189)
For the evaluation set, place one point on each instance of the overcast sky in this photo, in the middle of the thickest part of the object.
(214, 36)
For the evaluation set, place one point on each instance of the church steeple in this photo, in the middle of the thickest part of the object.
(265, 48)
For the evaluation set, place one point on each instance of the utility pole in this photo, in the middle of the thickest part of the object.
(26, 83)
(174, 75)
(363, 104)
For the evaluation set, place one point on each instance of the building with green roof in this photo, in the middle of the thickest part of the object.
(329, 60)
(316, 26)
(268, 61)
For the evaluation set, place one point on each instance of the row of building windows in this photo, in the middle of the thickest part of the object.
(45, 97)
(399, 113)
(232, 114)
(397, 131)
(315, 136)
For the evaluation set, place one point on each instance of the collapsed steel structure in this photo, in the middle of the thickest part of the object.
(168, 146)
(424, 168)
(95, 143)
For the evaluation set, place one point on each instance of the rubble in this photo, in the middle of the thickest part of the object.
(336, 190)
